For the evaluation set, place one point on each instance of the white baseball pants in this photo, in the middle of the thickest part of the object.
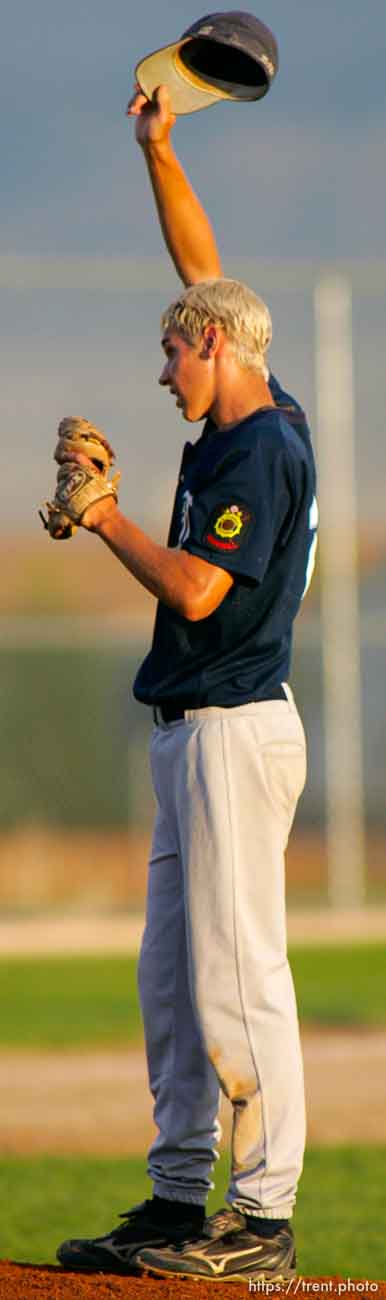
(215, 985)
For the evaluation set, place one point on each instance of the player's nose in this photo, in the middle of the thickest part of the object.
(164, 377)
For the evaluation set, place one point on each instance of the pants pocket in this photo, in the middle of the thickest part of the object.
(285, 766)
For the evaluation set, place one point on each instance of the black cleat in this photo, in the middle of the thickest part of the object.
(225, 1252)
(115, 1253)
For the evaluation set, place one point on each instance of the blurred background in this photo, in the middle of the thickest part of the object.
(296, 189)
(297, 192)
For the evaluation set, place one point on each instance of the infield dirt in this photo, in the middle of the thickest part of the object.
(80, 1101)
(29, 1282)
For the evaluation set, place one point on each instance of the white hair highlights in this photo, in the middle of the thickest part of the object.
(244, 318)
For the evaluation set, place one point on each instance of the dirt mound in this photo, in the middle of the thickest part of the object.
(31, 1282)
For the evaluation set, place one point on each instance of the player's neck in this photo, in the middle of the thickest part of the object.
(235, 401)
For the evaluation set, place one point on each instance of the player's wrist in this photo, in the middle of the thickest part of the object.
(96, 517)
(158, 150)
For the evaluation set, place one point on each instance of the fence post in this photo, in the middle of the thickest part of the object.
(339, 591)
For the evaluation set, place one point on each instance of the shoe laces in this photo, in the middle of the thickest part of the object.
(141, 1213)
(223, 1221)
(143, 1209)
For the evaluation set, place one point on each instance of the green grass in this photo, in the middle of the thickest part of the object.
(81, 1001)
(341, 986)
(69, 1001)
(339, 1217)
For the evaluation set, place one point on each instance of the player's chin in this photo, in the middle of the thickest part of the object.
(193, 414)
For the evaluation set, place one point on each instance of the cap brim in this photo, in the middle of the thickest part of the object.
(187, 92)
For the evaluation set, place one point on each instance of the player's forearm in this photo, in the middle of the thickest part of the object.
(165, 572)
(185, 226)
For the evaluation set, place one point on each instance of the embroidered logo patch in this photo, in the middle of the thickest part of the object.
(228, 527)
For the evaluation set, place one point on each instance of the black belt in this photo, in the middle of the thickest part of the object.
(170, 712)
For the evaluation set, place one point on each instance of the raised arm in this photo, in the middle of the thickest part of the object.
(185, 226)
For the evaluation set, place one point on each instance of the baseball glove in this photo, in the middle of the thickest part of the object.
(78, 484)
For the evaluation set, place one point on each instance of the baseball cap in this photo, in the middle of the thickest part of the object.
(222, 56)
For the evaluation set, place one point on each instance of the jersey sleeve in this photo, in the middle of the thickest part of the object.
(236, 519)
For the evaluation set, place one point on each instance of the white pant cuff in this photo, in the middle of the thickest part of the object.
(277, 1212)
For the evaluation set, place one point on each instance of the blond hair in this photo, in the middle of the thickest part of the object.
(244, 318)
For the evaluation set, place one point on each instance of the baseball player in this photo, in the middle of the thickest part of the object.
(228, 765)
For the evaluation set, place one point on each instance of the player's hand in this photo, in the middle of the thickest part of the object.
(154, 117)
(65, 456)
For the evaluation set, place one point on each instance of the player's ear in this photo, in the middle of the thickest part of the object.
(210, 342)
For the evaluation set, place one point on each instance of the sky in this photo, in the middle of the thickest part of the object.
(298, 180)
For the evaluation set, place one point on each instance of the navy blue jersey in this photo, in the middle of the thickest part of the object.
(245, 501)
